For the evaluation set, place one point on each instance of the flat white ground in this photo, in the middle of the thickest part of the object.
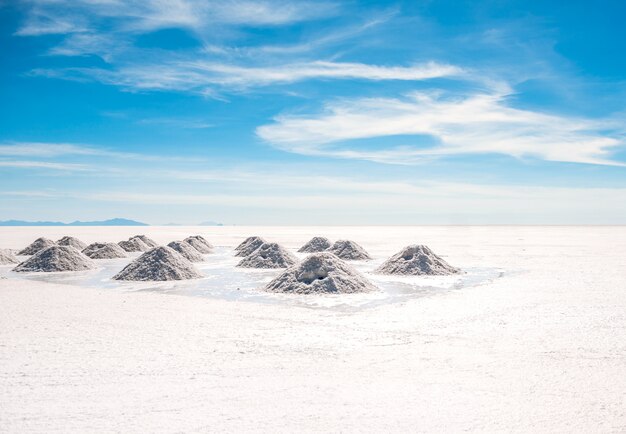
(542, 348)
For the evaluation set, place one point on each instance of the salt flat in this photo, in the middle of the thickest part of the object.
(540, 346)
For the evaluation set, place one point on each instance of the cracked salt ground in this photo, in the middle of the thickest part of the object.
(225, 281)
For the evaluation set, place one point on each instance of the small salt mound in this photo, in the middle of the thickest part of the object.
(320, 273)
(160, 263)
(71, 241)
(349, 250)
(185, 249)
(199, 243)
(250, 245)
(7, 257)
(104, 251)
(316, 244)
(56, 258)
(148, 241)
(268, 255)
(134, 244)
(36, 246)
(417, 260)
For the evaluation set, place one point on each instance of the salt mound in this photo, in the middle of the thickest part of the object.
(245, 242)
(417, 260)
(199, 243)
(349, 250)
(56, 258)
(37, 245)
(268, 255)
(104, 251)
(7, 257)
(149, 241)
(320, 273)
(134, 244)
(316, 244)
(71, 241)
(160, 263)
(186, 250)
(249, 246)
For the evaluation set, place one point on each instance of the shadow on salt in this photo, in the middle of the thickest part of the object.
(225, 281)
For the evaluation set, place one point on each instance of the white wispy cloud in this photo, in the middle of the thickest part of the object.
(59, 17)
(46, 18)
(327, 37)
(199, 76)
(42, 149)
(54, 150)
(461, 124)
(67, 167)
(194, 124)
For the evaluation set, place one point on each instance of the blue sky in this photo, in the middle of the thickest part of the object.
(321, 112)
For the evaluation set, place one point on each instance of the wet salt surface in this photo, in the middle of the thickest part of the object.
(226, 281)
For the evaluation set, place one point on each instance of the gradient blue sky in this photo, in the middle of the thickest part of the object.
(321, 112)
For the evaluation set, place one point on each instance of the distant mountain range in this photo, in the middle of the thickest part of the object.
(111, 222)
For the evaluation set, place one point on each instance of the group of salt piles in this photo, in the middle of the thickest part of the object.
(163, 263)
(156, 262)
(324, 270)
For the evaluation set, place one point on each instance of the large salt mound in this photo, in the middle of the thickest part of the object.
(320, 273)
(199, 243)
(349, 250)
(249, 246)
(36, 246)
(7, 257)
(71, 241)
(187, 250)
(149, 241)
(160, 263)
(56, 258)
(417, 260)
(134, 244)
(268, 255)
(104, 251)
(316, 244)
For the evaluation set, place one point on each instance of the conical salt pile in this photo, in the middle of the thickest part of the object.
(134, 244)
(320, 273)
(7, 257)
(56, 258)
(199, 243)
(71, 241)
(349, 250)
(37, 245)
(249, 246)
(160, 263)
(417, 260)
(268, 255)
(316, 244)
(186, 250)
(149, 241)
(245, 242)
(104, 251)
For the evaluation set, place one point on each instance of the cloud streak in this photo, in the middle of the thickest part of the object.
(58, 17)
(475, 123)
(199, 76)
(65, 167)
(53, 150)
